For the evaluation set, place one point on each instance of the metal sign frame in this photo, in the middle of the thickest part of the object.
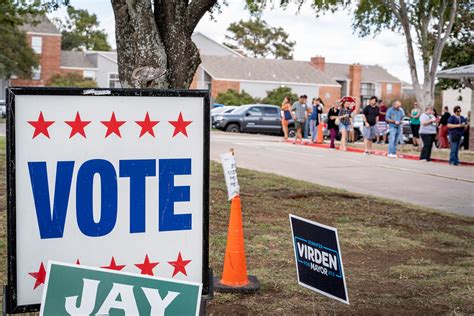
(10, 295)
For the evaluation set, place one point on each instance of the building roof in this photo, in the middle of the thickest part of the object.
(41, 24)
(260, 69)
(75, 59)
(370, 73)
(457, 73)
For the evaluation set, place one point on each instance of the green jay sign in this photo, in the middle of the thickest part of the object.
(78, 290)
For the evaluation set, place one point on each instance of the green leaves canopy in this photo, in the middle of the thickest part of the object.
(80, 31)
(257, 39)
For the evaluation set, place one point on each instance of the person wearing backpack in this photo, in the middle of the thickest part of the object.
(456, 126)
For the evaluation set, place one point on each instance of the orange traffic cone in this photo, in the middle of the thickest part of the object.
(235, 278)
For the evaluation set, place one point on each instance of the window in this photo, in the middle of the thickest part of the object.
(367, 89)
(37, 44)
(36, 75)
(114, 81)
(89, 74)
(271, 111)
(389, 88)
(255, 111)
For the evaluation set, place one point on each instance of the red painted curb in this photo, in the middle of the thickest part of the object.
(384, 153)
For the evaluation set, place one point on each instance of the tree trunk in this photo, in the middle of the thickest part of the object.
(424, 92)
(138, 41)
(160, 38)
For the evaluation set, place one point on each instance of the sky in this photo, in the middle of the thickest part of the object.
(329, 35)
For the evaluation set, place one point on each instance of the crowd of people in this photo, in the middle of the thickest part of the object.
(427, 127)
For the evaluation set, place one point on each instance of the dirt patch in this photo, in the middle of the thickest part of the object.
(398, 259)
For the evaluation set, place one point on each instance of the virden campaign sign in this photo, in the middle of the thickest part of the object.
(318, 258)
(111, 178)
(78, 290)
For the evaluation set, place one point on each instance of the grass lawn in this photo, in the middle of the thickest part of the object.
(398, 258)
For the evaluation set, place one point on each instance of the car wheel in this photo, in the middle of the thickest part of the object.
(291, 132)
(232, 128)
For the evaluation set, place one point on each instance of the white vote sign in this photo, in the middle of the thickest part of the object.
(230, 173)
(117, 181)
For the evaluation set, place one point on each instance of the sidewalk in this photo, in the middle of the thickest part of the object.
(406, 151)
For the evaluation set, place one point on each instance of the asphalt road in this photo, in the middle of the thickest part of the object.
(439, 186)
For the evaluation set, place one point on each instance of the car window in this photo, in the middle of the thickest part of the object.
(255, 111)
(240, 109)
(229, 110)
(270, 111)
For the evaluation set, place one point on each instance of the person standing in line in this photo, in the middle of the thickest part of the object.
(456, 125)
(465, 142)
(401, 140)
(345, 122)
(333, 114)
(352, 107)
(443, 128)
(415, 124)
(307, 122)
(315, 118)
(394, 118)
(427, 133)
(382, 124)
(300, 116)
(371, 117)
(285, 115)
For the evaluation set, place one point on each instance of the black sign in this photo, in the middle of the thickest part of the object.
(318, 258)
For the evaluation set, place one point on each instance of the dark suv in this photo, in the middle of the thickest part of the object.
(253, 118)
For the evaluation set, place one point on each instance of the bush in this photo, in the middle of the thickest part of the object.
(71, 80)
(277, 95)
(232, 97)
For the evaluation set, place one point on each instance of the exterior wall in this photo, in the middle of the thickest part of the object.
(223, 86)
(194, 83)
(355, 75)
(330, 95)
(50, 61)
(104, 67)
(451, 98)
(259, 89)
(396, 91)
(3, 86)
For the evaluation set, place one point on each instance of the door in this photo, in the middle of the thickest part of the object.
(253, 119)
(272, 119)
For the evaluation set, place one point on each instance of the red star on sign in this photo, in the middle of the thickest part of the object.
(113, 126)
(179, 265)
(113, 265)
(40, 276)
(41, 126)
(147, 266)
(180, 125)
(147, 125)
(77, 126)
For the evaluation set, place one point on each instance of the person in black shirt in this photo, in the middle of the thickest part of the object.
(371, 118)
(443, 129)
(332, 127)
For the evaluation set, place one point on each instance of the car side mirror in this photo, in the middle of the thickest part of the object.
(248, 114)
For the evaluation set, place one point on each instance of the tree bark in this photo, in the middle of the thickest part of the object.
(159, 37)
(138, 41)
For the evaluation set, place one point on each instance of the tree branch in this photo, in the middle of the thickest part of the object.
(441, 40)
(401, 13)
(195, 11)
